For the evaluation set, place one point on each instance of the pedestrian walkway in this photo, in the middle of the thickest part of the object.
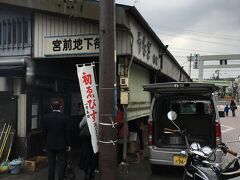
(230, 132)
(42, 174)
(38, 175)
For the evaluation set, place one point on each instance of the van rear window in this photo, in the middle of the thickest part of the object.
(191, 107)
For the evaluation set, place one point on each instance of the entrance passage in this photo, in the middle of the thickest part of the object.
(8, 111)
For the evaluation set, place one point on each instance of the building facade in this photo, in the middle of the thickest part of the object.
(40, 48)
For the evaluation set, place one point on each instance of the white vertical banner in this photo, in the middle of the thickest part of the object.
(90, 101)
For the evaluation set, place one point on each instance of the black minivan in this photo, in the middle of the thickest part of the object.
(196, 111)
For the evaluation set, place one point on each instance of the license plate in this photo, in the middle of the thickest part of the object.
(179, 160)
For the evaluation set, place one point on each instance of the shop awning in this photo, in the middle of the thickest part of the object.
(12, 71)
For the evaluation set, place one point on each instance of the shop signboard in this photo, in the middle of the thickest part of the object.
(71, 45)
(90, 101)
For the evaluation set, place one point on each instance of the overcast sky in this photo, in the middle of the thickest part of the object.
(205, 27)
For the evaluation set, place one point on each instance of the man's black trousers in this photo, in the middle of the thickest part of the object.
(61, 157)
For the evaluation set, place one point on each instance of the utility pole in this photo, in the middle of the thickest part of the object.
(190, 65)
(107, 92)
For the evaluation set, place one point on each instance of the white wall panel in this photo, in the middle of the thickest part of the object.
(139, 105)
(49, 25)
(170, 68)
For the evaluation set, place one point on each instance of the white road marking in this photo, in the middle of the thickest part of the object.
(227, 128)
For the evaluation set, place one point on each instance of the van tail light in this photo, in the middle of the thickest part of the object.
(150, 133)
(218, 133)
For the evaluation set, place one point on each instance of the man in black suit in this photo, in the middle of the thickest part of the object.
(56, 131)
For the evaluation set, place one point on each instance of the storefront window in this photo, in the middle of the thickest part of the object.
(15, 31)
(35, 113)
(34, 123)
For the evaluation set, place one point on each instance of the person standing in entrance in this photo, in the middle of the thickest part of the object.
(56, 132)
(233, 107)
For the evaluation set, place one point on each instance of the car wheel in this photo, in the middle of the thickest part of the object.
(154, 168)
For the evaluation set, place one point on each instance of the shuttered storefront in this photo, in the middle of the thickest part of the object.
(139, 105)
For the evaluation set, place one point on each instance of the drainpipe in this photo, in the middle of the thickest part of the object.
(25, 61)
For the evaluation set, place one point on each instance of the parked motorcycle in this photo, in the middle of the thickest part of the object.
(199, 165)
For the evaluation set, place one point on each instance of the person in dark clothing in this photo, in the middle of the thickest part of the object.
(56, 132)
(88, 161)
(138, 126)
(140, 135)
(233, 107)
(226, 109)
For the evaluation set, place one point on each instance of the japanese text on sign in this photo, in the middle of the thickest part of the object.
(85, 44)
(144, 49)
(91, 100)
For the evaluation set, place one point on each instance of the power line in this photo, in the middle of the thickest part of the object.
(180, 56)
(195, 50)
(200, 32)
(186, 52)
(211, 42)
(184, 63)
(200, 35)
(211, 70)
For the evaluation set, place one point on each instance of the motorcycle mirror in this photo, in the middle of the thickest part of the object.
(184, 153)
(172, 115)
(195, 146)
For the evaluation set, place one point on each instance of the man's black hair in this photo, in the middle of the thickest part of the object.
(56, 105)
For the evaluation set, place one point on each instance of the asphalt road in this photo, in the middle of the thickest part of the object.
(142, 171)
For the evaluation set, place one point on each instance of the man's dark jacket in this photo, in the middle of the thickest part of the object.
(56, 131)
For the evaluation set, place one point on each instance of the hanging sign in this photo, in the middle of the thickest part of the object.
(90, 101)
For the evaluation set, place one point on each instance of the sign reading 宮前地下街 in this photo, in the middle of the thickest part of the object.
(68, 45)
